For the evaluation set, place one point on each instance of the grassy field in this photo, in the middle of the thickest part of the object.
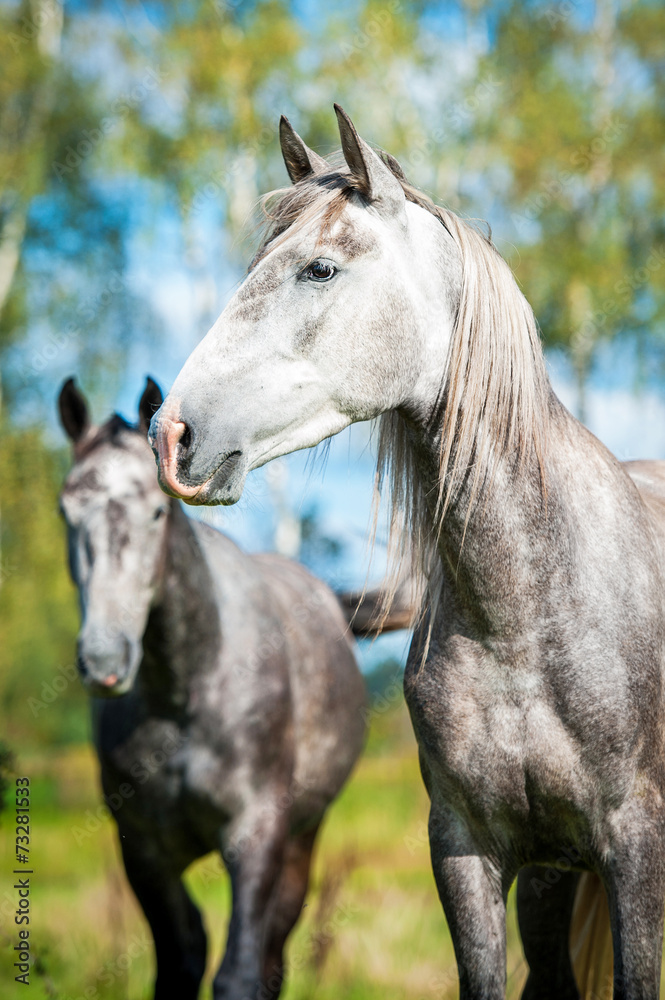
(372, 928)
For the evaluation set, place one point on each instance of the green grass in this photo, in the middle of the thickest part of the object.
(372, 928)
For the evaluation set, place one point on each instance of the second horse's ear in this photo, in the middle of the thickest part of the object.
(73, 410)
(151, 400)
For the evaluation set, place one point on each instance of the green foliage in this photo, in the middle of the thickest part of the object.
(41, 700)
(573, 120)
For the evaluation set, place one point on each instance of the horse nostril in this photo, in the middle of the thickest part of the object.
(176, 445)
(185, 439)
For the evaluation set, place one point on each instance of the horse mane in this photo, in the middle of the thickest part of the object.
(493, 399)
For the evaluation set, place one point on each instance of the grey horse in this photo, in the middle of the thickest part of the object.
(535, 679)
(241, 713)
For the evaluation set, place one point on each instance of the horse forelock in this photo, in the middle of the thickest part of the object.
(113, 460)
(493, 397)
(113, 432)
(287, 211)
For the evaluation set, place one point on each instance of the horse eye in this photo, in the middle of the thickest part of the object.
(158, 513)
(320, 270)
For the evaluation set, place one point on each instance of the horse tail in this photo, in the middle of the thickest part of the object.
(591, 939)
(366, 614)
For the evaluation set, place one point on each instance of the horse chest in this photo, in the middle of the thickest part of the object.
(492, 745)
(172, 785)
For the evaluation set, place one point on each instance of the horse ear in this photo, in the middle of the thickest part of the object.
(299, 159)
(73, 409)
(393, 165)
(150, 402)
(375, 180)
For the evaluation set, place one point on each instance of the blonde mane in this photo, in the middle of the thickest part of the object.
(494, 388)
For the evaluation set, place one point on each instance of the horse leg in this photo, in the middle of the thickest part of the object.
(544, 911)
(635, 882)
(253, 853)
(472, 891)
(175, 923)
(287, 907)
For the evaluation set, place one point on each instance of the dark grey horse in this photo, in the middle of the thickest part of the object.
(242, 708)
(536, 678)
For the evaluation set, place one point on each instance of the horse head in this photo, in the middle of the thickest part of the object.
(116, 522)
(333, 323)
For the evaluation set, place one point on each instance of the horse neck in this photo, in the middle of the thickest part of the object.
(490, 543)
(182, 636)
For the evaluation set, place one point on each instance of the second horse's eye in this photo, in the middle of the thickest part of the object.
(320, 270)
